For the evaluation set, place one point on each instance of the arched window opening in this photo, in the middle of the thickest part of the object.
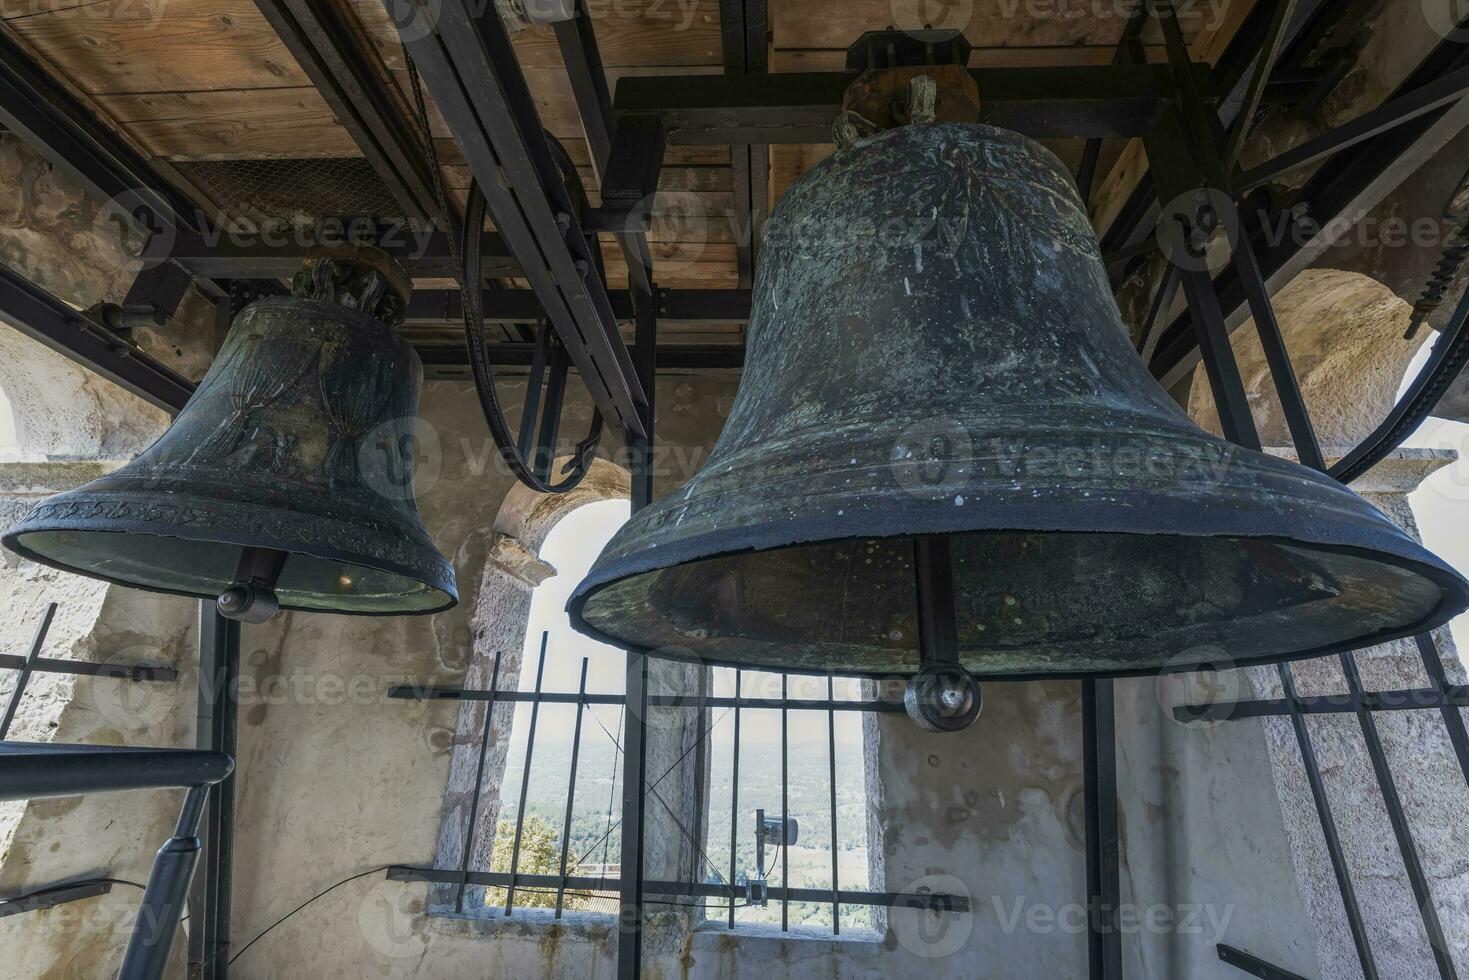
(1441, 503)
(542, 787)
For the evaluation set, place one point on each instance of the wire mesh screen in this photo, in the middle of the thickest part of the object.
(272, 194)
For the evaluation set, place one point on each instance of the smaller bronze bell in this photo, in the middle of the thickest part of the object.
(287, 480)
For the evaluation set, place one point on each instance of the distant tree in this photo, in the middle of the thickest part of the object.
(540, 854)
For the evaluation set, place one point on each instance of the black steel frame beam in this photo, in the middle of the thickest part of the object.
(1103, 836)
(523, 306)
(421, 255)
(470, 69)
(743, 28)
(46, 319)
(1436, 94)
(1072, 101)
(635, 730)
(577, 42)
(1139, 213)
(360, 99)
(449, 361)
(1341, 192)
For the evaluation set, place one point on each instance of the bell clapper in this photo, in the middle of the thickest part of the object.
(251, 597)
(943, 696)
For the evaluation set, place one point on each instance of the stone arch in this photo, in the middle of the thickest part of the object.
(1345, 333)
(500, 617)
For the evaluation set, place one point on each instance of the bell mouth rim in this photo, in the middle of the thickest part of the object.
(10, 540)
(1453, 595)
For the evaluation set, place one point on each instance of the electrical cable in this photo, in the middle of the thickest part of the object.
(71, 884)
(266, 930)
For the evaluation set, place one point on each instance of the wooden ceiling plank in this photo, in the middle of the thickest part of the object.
(180, 46)
(835, 24)
(232, 124)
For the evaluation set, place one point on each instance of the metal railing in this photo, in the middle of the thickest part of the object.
(728, 890)
(35, 770)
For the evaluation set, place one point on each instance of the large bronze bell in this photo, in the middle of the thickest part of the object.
(287, 478)
(940, 406)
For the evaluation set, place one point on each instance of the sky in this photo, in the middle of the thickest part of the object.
(1441, 504)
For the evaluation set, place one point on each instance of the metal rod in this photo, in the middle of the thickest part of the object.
(1453, 721)
(734, 802)
(635, 717)
(1262, 310)
(634, 759)
(785, 804)
(38, 640)
(938, 628)
(1103, 857)
(412, 693)
(571, 787)
(46, 898)
(530, 749)
(91, 668)
(1328, 826)
(1394, 804)
(166, 895)
(1415, 699)
(1253, 965)
(216, 728)
(831, 751)
(35, 770)
(1425, 99)
(1162, 303)
(479, 782)
(530, 411)
(937, 902)
(1230, 401)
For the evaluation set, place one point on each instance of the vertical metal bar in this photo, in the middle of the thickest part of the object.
(634, 735)
(525, 439)
(530, 749)
(1328, 824)
(1416, 878)
(23, 676)
(479, 785)
(1103, 857)
(215, 730)
(734, 804)
(831, 751)
(166, 894)
(571, 785)
(1086, 173)
(545, 452)
(785, 805)
(1454, 721)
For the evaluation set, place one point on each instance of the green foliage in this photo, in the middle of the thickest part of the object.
(540, 854)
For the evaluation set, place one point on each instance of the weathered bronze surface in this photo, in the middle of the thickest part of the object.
(298, 440)
(934, 349)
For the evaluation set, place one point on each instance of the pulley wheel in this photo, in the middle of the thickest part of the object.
(942, 699)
